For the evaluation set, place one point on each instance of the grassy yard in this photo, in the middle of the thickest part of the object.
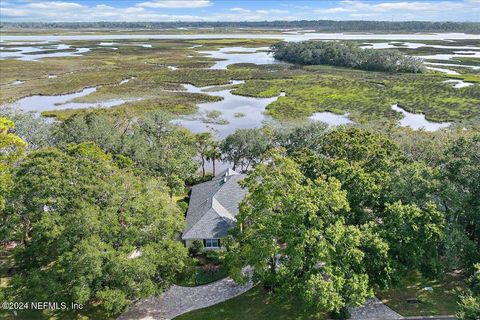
(204, 275)
(441, 301)
(254, 304)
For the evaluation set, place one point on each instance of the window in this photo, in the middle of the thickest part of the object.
(212, 243)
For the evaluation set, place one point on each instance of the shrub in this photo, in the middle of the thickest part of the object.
(182, 205)
(215, 257)
(196, 248)
(342, 314)
(114, 301)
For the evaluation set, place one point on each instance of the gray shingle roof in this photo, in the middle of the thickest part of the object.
(213, 206)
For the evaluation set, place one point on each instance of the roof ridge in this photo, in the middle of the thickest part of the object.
(222, 211)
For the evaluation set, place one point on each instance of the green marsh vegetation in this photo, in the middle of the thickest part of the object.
(366, 96)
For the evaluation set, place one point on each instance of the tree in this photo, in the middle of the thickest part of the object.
(292, 230)
(163, 149)
(301, 137)
(245, 147)
(34, 130)
(361, 159)
(11, 148)
(346, 54)
(203, 143)
(415, 236)
(90, 230)
(461, 172)
(372, 150)
(105, 130)
(152, 142)
(469, 305)
(213, 154)
(412, 183)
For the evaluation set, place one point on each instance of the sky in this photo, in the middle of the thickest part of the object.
(239, 10)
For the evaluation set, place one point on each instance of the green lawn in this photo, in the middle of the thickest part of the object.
(441, 301)
(255, 305)
(258, 305)
(203, 276)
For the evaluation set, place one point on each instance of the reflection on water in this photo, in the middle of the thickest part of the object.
(230, 107)
(331, 118)
(413, 45)
(126, 80)
(40, 103)
(455, 54)
(16, 82)
(452, 65)
(447, 71)
(40, 52)
(109, 44)
(459, 83)
(418, 121)
(231, 55)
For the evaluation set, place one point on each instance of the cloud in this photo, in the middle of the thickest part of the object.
(272, 11)
(69, 11)
(401, 10)
(240, 10)
(176, 4)
(56, 11)
(186, 10)
(333, 10)
(414, 6)
(54, 5)
(12, 12)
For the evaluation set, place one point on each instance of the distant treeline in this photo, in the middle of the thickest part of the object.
(319, 25)
(344, 54)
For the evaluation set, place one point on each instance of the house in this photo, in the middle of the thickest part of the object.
(212, 209)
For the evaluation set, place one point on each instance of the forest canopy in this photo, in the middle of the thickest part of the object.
(344, 54)
(319, 25)
(331, 214)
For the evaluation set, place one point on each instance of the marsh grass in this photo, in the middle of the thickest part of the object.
(366, 96)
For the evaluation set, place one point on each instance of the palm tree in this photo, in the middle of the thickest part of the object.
(213, 153)
(202, 142)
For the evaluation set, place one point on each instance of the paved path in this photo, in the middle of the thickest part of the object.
(178, 300)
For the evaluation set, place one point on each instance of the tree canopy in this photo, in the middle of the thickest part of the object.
(331, 213)
(345, 54)
(332, 220)
(90, 230)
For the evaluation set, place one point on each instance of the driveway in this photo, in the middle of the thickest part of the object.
(178, 300)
